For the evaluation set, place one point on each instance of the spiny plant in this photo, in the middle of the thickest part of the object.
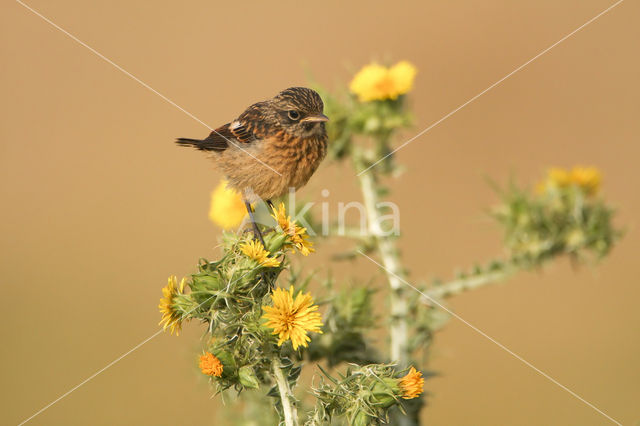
(263, 327)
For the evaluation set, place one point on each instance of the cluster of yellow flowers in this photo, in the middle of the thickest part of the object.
(586, 178)
(297, 234)
(170, 316)
(376, 82)
(295, 318)
(227, 208)
(291, 318)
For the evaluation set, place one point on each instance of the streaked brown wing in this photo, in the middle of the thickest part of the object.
(242, 131)
(251, 126)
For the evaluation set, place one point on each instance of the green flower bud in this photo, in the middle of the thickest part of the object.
(248, 377)
(275, 241)
(384, 393)
(228, 362)
(204, 282)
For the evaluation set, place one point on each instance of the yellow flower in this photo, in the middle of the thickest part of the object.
(376, 82)
(254, 250)
(402, 74)
(210, 365)
(412, 384)
(588, 178)
(171, 318)
(292, 319)
(371, 83)
(227, 208)
(297, 234)
(284, 221)
(559, 177)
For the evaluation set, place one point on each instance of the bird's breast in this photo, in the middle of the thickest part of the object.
(270, 166)
(299, 157)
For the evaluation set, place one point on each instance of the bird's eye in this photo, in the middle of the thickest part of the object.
(294, 115)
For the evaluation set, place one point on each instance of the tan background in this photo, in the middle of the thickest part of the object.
(99, 206)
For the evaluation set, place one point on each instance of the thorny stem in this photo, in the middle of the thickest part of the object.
(286, 396)
(399, 333)
(461, 285)
(399, 303)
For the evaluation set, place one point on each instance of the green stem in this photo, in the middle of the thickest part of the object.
(286, 396)
(461, 285)
(399, 332)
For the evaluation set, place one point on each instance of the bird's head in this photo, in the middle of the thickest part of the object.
(298, 110)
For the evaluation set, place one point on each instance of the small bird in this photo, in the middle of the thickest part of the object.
(271, 147)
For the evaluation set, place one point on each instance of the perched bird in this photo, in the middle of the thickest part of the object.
(272, 146)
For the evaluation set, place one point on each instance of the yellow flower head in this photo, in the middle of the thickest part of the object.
(412, 384)
(559, 177)
(372, 83)
(297, 234)
(402, 74)
(227, 208)
(292, 319)
(171, 318)
(376, 82)
(255, 250)
(210, 365)
(586, 178)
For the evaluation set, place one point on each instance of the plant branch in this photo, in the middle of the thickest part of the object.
(286, 396)
(399, 333)
(471, 282)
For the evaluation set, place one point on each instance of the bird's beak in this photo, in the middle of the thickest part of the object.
(315, 118)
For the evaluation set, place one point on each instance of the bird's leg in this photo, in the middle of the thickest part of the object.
(257, 235)
(256, 231)
(271, 206)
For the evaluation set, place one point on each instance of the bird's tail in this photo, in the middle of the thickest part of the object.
(212, 143)
(196, 143)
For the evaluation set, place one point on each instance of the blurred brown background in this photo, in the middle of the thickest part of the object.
(99, 206)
